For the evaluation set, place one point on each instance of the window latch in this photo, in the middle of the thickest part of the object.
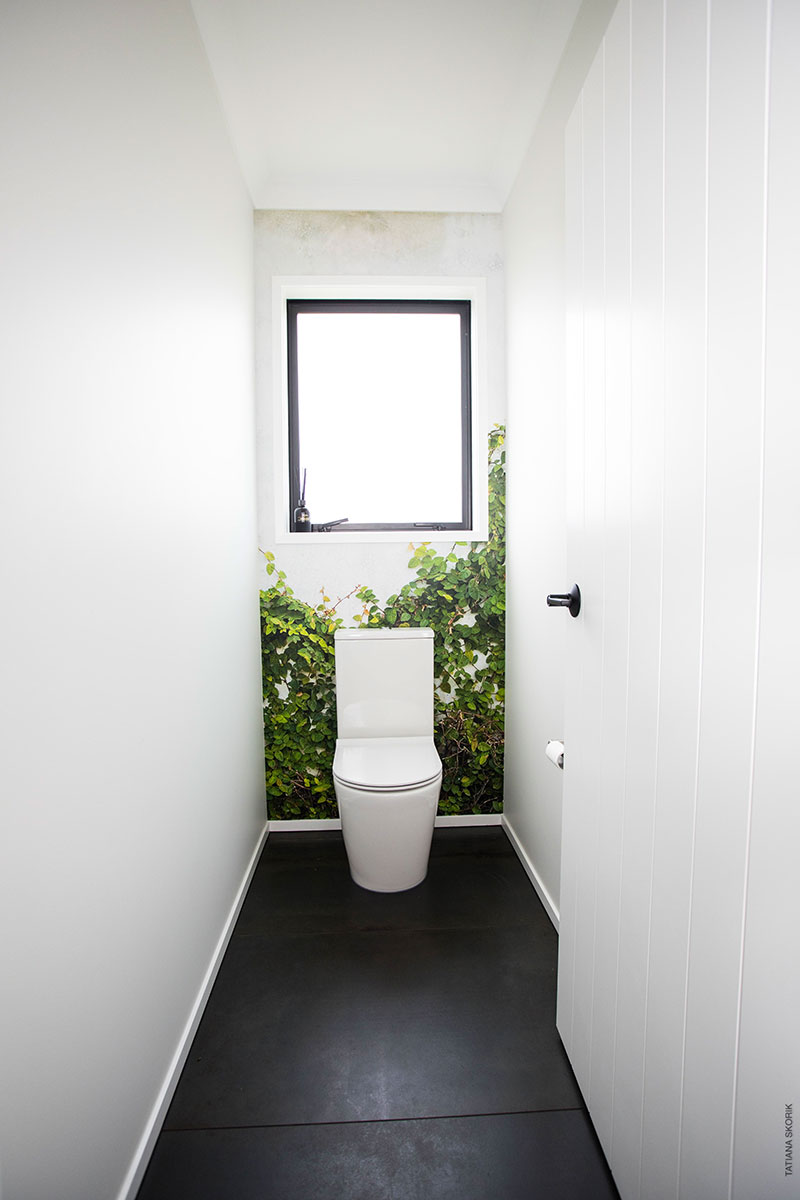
(427, 525)
(327, 526)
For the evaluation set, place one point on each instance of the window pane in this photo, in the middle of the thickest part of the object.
(379, 415)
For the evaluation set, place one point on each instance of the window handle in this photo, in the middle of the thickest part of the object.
(427, 525)
(327, 526)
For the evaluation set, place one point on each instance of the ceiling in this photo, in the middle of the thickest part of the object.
(405, 105)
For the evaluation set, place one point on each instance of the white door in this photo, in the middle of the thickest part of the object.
(679, 970)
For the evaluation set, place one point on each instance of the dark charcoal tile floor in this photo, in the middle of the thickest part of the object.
(384, 1047)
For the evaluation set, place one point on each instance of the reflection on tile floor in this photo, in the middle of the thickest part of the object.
(366, 1045)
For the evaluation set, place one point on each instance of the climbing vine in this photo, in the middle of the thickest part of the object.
(461, 596)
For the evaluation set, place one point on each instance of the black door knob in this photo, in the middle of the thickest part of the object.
(570, 600)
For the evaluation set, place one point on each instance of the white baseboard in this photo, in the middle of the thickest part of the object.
(299, 826)
(144, 1150)
(470, 819)
(533, 874)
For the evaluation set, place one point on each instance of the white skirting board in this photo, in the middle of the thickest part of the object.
(532, 874)
(335, 823)
(144, 1150)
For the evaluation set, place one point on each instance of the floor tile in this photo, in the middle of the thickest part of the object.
(482, 841)
(390, 1047)
(464, 888)
(540, 1156)
(370, 1026)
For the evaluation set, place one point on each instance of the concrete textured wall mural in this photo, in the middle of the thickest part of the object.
(461, 596)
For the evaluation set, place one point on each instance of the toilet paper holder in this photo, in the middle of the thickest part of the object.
(555, 752)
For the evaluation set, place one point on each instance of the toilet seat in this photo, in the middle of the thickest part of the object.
(386, 764)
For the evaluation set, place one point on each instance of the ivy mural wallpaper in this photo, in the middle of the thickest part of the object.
(461, 596)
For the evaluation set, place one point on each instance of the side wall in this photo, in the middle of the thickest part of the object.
(534, 253)
(132, 798)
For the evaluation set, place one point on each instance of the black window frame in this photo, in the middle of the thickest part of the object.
(462, 308)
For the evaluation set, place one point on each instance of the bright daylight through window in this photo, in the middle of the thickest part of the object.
(379, 414)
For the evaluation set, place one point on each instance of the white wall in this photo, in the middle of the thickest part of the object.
(678, 976)
(534, 253)
(381, 244)
(132, 797)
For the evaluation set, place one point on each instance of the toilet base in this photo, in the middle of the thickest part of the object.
(387, 835)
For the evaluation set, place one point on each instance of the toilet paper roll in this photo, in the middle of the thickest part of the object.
(555, 752)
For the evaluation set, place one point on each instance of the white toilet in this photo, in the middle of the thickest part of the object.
(386, 772)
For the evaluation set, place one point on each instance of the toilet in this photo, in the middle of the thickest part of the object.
(386, 772)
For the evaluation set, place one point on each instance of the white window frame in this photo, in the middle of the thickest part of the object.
(371, 287)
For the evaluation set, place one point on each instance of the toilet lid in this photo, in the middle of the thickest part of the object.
(386, 764)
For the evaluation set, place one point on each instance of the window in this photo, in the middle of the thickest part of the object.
(380, 420)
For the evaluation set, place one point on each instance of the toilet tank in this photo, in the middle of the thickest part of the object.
(384, 682)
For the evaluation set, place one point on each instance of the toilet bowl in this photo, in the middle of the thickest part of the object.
(388, 793)
(387, 774)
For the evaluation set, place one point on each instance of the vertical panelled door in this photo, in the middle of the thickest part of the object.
(679, 968)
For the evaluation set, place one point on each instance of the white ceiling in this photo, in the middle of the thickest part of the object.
(415, 105)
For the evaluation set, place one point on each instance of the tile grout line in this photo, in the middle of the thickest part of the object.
(521, 1112)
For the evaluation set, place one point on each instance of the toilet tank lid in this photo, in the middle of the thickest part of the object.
(378, 634)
